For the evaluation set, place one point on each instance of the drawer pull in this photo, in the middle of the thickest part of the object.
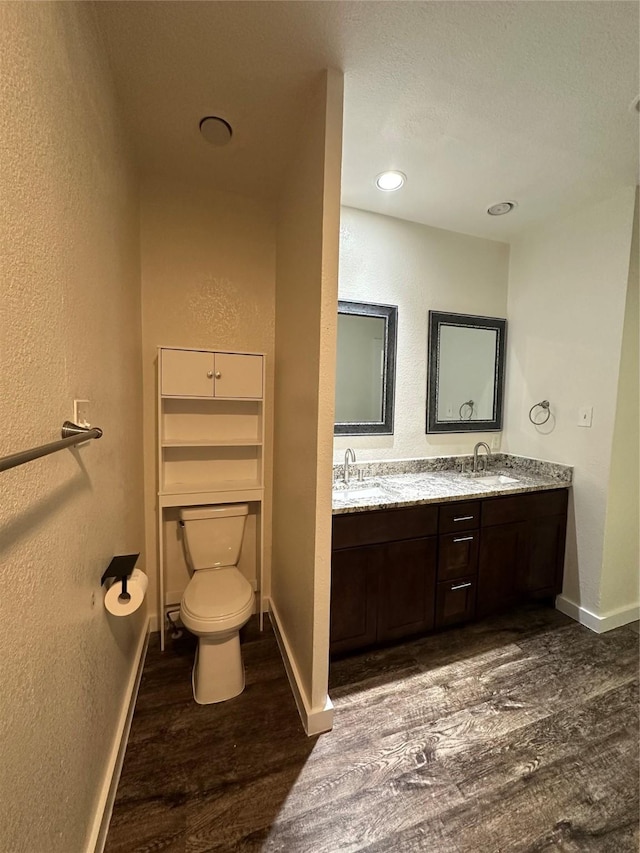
(463, 539)
(464, 518)
(461, 586)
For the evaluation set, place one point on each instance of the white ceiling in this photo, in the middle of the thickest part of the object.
(476, 102)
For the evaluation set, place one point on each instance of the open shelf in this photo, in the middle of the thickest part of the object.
(212, 486)
(212, 442)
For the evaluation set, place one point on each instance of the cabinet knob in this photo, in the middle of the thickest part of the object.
(209, 374)
(218, 374)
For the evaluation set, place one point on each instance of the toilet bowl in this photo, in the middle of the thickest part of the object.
(218, 599)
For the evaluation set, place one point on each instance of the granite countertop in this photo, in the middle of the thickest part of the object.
(387, 485)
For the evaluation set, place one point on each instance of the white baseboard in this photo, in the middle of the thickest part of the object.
(104, 809)
(598, 624)
(314, 720)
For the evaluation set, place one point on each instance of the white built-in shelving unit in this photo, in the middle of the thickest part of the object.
(211, 437)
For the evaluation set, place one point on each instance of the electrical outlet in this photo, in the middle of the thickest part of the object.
(82, 413)
(494, 443)
(585, 416)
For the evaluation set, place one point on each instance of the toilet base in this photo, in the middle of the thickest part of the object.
(218, 671)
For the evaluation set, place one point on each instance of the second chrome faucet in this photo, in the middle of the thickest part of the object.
(349, 454)
(476, 457)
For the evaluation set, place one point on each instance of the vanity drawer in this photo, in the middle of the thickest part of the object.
(458, 555)
(524, 507)
(459, 516)
(369, 528)
(455, 602)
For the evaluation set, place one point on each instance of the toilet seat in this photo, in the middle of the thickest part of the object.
(216, 600)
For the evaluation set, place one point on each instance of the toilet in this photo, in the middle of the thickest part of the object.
(218, 599)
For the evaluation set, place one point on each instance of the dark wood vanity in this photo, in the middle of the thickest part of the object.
(399, 573)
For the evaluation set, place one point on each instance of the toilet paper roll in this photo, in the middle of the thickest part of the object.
(136, 587)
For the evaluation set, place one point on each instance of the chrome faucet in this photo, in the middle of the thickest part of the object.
(349, 453)
(475, 455)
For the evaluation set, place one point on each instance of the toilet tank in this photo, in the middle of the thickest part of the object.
(214, 534)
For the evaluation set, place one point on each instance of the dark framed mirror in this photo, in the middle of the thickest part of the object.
(465, 377)
(365, 368)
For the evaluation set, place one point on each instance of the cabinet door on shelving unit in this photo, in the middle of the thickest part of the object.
(407, 588)
(186, 373)
(354, 598)
(238, 375)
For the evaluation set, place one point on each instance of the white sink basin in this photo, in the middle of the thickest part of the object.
(371, 493)
(496, 480)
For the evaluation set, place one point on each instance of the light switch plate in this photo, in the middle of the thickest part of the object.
(82, 412)
(585, 416)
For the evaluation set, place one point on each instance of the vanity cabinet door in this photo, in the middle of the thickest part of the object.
(541, 573)
(503, 549)
(521, 549)
(354, 598)
(407, 588)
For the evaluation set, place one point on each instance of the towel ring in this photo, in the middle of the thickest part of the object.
(543, 404)
(470, 404)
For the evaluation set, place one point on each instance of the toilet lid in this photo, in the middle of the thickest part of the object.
(216, 593)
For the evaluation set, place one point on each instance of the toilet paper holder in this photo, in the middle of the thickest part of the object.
(120, 568)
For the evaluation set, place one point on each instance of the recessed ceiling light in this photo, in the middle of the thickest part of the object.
(216, 130)
(501, 208)
(390, 181)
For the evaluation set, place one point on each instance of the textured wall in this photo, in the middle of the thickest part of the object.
(621, 562)
(567, 287)
(70, 327)
(208, 280)
(306, 312)
(417, 268)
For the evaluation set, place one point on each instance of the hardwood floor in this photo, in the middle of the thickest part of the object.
(514, 734)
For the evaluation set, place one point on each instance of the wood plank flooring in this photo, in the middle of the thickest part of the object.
(517, 734)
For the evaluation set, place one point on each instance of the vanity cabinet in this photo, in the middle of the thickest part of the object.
(383, 576)
(404, 572)
(521, 549)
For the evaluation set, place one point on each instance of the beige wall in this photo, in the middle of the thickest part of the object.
(70, 327)
(567, 288)
(306, 310)
(621, 560)
(208, 280)
(417, 268)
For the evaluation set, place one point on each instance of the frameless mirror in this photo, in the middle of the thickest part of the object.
(365, 368)
(466, 372)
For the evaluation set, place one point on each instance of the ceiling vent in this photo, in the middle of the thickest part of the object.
(501, 208)
(216, 130)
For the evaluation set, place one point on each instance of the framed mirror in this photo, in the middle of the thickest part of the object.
(465, 373)
(365, 368)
